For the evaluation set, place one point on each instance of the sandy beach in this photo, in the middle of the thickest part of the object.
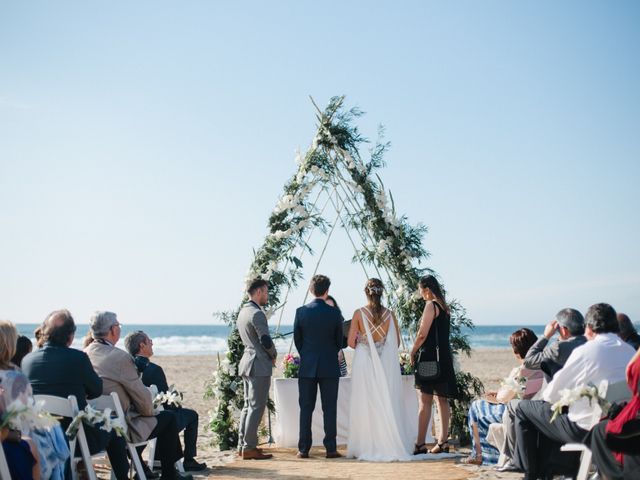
(190, 374)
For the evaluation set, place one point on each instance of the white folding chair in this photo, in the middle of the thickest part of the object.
(153, 389)
(616, 392)
(4, 467)
(112, 401)
(68, 407)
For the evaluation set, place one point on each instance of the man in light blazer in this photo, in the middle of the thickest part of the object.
(317, 333)
(119, 374)
(255, 368)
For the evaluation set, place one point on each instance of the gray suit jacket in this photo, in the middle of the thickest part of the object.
(554, 355)
(259, 350)
(119, 374)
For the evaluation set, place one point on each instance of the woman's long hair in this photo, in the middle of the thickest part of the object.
(8, 341)
(430, 282)
(374, 289)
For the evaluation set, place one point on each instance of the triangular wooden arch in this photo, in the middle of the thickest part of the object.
(332, 173)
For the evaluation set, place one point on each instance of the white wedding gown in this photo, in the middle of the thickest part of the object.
(377, 426)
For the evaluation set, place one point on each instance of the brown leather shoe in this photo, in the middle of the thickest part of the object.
(302, 455)
(255, 454)
(334, 455)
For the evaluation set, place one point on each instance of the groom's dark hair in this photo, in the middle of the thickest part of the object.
(319, 285)
(256, 284)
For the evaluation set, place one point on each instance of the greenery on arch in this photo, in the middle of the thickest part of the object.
(333, 173)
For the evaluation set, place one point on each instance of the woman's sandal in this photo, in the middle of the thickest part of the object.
(420, 449)
(472, 460)
(440, 448)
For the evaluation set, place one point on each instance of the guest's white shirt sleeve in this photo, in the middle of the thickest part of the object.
(572, 374)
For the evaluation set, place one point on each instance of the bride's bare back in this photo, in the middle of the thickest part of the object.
(378, 332)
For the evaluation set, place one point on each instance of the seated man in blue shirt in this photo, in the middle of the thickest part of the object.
(140, 346)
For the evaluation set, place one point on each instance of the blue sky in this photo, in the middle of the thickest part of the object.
(143, 145)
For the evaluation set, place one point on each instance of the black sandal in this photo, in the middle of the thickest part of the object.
(440, 448)
(420, 449)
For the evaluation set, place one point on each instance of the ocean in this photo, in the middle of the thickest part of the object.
(209, 339)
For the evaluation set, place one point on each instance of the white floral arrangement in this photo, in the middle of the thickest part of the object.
(516, 384)
(27, 416)
(101, 418)
(583, 397)
(170, 397)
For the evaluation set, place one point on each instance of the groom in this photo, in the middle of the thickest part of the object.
(317, 332)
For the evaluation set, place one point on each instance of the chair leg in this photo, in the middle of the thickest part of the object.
(135, 460)
(72, 464)
(152, 453)
(585, 463)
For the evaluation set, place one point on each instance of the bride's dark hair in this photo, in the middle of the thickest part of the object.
(374, 289)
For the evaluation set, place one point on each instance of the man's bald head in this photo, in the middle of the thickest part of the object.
(59, 328)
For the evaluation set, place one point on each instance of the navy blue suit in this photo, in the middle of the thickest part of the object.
(317, 333)
(186, 418)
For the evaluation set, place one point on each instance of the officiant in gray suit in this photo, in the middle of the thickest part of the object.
(255, 368)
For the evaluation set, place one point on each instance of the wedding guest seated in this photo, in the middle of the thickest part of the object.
(59, 370)
(119, 374)
(23, 347)
(140, 346)
(21, 453)
(615, 443)
(341, 360)
(46, 451)
(603, 357)
(628, 332)
(521, 382)
(569, 323)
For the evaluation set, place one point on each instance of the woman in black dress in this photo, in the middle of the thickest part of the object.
(434, 330)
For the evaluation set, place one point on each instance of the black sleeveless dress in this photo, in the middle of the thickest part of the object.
(445, 385)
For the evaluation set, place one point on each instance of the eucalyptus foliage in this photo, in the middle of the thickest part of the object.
(385, 241)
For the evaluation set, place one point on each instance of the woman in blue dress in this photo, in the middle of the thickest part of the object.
(520, 383)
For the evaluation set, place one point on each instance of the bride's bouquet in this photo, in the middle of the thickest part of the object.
(290, 366)
(405, 364)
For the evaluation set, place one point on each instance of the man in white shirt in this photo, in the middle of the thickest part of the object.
(604, 357)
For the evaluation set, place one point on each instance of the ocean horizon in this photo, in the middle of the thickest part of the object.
(211, 339)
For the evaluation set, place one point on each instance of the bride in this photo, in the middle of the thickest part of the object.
(377, 429)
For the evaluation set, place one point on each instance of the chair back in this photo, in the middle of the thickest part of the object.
(112, 401)
(618, 392)
(62, 407)
(68, 407)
